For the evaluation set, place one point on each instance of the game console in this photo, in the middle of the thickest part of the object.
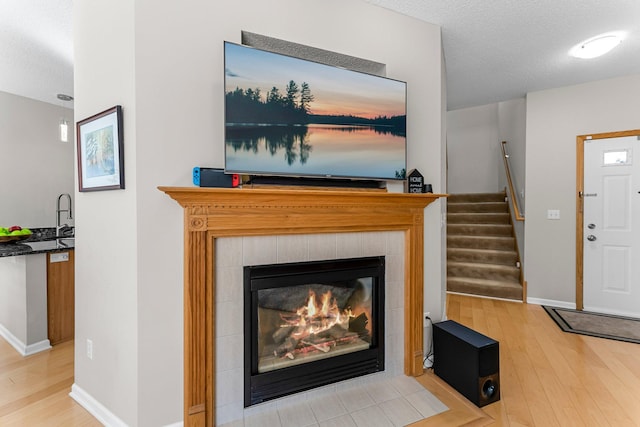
(213, 177)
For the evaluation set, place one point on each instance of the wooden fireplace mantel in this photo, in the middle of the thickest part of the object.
(210, 213)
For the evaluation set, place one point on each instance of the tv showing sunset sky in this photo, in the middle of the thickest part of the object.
(289, 116)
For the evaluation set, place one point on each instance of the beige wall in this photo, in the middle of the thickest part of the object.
(23, 302)
(512, 127)
(165, 67)
(474, 136)
(36, 166)
(472, 150)
(512, 118)
(554, 119)
(475, 164)
(106, 222)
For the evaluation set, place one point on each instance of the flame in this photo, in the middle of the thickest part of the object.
(317, 317)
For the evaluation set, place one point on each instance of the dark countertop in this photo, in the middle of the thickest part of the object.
(42, 241)
(39, 247)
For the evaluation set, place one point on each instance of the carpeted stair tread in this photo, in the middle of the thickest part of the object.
(477, 207)
(478, 218)
(485, 287)
(479, 229)
(476, 197)
(485, 256)
(483, 271)
(481, 248)
(481, 242)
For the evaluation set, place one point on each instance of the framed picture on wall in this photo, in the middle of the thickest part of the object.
(101, 151)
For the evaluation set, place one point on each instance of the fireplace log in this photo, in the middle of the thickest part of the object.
(323, 348)
(288, 346)
(359, 324)
(337, 332)
(281, 333)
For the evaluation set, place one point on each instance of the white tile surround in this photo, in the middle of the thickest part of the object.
(384, 402)
(387, 398)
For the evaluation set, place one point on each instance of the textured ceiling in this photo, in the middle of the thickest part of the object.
(497, 50)
(494, 50)
(36, 49)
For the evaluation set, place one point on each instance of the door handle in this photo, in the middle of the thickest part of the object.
(591, 238)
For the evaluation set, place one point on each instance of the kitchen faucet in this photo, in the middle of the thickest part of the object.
(69, 212)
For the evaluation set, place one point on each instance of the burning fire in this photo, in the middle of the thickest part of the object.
(315, 318)
(319, 325)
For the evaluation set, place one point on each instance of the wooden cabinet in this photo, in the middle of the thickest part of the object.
(60, 297)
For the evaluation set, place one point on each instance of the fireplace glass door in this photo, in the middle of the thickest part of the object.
(310, 324)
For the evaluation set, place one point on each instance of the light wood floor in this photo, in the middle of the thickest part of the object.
(34, 390)
(548, 377)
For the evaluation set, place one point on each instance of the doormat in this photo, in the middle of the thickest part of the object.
(596, 324)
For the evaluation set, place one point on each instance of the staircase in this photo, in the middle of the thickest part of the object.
(481, 248)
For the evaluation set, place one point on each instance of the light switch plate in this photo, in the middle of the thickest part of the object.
(553, 214)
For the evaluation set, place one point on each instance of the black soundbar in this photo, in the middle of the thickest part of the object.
(315, 182)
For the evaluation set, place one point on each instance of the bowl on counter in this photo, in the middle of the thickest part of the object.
(14, 238)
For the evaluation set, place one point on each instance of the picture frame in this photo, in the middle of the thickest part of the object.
(101, 151)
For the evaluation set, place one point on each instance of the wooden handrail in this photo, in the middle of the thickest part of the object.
(514, 199)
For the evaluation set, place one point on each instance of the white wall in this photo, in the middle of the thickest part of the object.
(473, 159)
(23, 301)
(512, 119)
(165, 67)
(554, 119)
(36, 166)
(473, 146)
(13, 296)
(106, 222)
(432, 293)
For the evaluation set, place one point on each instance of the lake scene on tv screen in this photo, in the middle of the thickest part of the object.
(288, 116)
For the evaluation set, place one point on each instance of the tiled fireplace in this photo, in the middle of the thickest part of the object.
(236, 253)
(227, 229)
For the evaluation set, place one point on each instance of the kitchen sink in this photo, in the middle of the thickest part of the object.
(66, 242)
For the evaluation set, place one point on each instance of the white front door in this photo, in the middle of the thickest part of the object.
(611, 263)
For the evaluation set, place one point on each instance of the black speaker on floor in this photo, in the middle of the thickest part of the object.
(468, 361)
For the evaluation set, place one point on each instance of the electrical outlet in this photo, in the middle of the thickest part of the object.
(59, 257)
(425, 318)
(90, 349)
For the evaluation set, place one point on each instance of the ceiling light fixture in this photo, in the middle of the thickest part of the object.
(596, 46)
(64, 124)
(63, 97)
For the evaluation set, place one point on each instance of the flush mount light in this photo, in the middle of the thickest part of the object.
(596, 46)
(64, 97)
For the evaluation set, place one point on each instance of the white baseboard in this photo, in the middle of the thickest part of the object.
(537, 301)
(95, 408)
(483, 296)
(37, 347)
(22, 348)
(552, 303)
(178, 424)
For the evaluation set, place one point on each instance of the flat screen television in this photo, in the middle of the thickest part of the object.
(290, 117)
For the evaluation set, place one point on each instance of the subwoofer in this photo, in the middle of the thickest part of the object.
(468, 361)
